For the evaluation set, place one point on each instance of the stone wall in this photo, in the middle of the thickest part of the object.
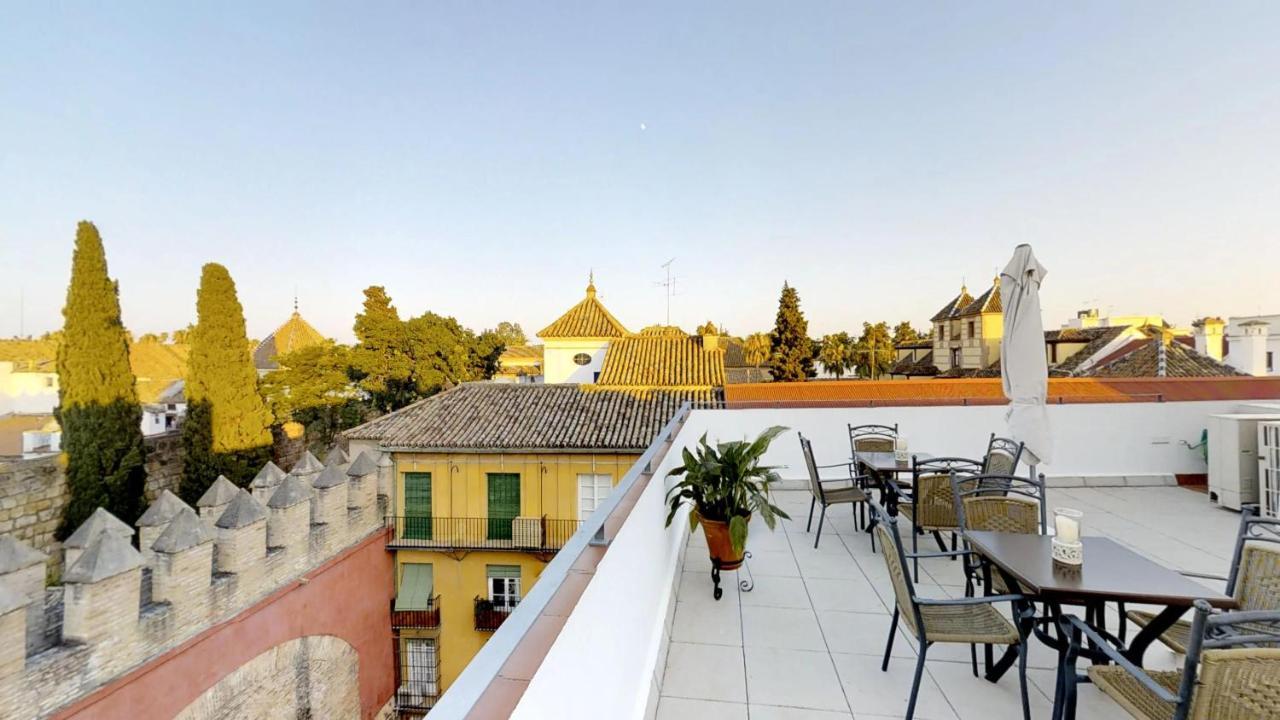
(122, 609)
(33, 493)
(310, 677)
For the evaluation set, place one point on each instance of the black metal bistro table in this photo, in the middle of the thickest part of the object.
(1111, 572)
(884, 466)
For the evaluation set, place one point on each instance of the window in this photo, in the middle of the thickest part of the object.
(48, 382)
(417, 506)
(955, 357)
(504, 586)
(504, 504)
(1270, 365)
(422, 669)
(971, 333)
(582, 359)
(942, 332)
(592, 490)
(415, 588)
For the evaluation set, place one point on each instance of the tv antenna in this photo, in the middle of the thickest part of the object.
(668, 285)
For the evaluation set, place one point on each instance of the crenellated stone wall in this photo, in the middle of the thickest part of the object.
(122, 607)
(32, 496)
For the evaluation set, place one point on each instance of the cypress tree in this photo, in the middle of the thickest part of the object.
(97, 401)
(228, 427)
(380, 358)
(791, 352)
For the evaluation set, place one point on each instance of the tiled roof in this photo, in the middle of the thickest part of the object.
(922, 367)
(920, 344)
(1095, 340)
(979, 391)
(952, 309)
(987, 302)
(587, 319)
(515, 353)
(662, 360)
(747, 374)
(498, 417)
(293, 335)
(1142, 360)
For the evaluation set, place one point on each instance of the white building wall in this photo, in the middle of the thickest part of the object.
(27, 392)
(558, 365)
(1249, 354)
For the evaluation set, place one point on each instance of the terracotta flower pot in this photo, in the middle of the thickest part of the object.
(720, 544)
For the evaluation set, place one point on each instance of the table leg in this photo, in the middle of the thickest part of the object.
(1164, 620)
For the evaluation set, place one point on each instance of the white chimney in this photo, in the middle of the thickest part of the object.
(1209, 333)
(1249, 349)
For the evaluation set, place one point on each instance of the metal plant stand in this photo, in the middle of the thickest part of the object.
(746, 584)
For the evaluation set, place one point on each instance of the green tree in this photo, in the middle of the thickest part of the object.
(873, 353)
(443, 353)
(834, 353)
(791, 351)
(97, 402)
(381, 363)
(757, 347)
(228, 427)
(904, 333)
(313, 387)
(710, 328)
(511, 334)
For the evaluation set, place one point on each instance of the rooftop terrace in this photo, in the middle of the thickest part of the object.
(623, 622)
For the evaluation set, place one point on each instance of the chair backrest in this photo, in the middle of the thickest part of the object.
(1232, 668)
(873, 438)
(1002, 456)
(895, 560)
(1000, 503)
(933, 501)
(1255, 564)
(815, 484)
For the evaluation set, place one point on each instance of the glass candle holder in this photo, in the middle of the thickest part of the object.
(900, 449)
(1066, 544)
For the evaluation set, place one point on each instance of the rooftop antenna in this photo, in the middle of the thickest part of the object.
(669, 285)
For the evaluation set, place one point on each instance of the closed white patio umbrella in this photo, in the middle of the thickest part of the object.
(1023, 367)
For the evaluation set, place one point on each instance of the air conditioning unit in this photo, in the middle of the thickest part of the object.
(526, 532)
(1233, 458)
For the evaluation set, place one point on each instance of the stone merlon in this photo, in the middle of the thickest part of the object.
(185, 531)
(108, 555)
(244, 510)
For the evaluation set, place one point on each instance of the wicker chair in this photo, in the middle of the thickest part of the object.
(1002, 456)
(929, 502)
(1228, 674)
(973, 620)
(825, 492)
(873, 438)
(1254, 580)
(998, 503)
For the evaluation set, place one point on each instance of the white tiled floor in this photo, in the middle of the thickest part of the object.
(807, 641)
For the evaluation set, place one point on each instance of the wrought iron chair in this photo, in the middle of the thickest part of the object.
(998, 503)
(971, 620)
(1231, 671)
(930, 501)
(825, 492)
(873, 438)
(1002, 456)
(1254, 580)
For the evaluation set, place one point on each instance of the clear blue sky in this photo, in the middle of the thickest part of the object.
(478, 158)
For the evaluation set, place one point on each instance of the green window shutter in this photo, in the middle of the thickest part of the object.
(504, 504)
(502, 571)
(417, 506)
(415, 587)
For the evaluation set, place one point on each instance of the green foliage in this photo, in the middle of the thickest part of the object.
(904, 333)
(757, 348)
(228, 426)
(313, 387)
(791, 351)
(397, 362)
(727, 483)
(511, 334)
(834, 352)
(98, 405)
(710, 328)
(874, 354)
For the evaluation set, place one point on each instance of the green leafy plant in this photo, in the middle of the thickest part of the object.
(727, 483)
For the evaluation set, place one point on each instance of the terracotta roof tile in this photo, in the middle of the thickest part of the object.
(295, 334)
(587, 319)
(496, 417)
(662, 360)
(987, 302)
(952, 309)
(1141, 359)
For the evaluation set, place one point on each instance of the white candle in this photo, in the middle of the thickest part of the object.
(1068, 528)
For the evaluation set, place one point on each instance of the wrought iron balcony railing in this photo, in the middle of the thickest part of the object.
(417, 675)
(428, 617)
(489, 616)
(535, 534)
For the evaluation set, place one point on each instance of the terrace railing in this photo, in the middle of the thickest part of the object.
(534, 534)
(489, 617)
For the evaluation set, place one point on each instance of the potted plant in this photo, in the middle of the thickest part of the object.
(725, 484)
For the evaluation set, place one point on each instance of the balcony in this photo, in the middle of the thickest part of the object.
(637, 633)
(425, 618)
(489, 617)
(532, 534)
